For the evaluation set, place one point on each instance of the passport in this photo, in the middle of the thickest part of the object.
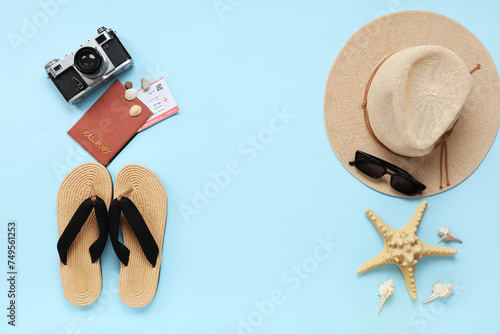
(107, 127)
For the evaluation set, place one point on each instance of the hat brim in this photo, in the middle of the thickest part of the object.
(475, 129)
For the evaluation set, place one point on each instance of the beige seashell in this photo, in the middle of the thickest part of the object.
(384, 291)
(135, 110)
(145, 84)
(446, 235)
(440, 290)
(130, 94)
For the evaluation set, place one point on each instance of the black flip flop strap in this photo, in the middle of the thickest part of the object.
(76, 223)
(139, 227)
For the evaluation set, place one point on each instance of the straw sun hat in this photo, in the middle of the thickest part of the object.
(418, 90)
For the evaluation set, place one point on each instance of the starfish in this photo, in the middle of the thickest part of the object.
(403, 248)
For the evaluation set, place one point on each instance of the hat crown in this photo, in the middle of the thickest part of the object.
(416, 97)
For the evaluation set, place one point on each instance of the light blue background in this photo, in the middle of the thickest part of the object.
(228, 74)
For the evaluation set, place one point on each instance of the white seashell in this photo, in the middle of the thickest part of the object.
(384, 291)
(130, 94)
(145, 84)
(135, 110)
(446, 235)
(440, 290)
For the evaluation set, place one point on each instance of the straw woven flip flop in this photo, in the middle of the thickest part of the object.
(82, 202)
(140, 208)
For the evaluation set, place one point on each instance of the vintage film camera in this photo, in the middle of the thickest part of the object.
(79, 73)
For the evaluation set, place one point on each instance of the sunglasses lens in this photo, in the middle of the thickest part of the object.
(406, 185)
(369, 167)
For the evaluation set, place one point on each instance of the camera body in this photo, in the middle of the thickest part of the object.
(79, 73)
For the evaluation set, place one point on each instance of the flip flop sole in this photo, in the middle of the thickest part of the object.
(81, 279)
(139, 280)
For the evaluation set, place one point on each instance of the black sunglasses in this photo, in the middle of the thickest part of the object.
(375, 168)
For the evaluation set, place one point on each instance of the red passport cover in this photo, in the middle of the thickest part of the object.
(107, 127)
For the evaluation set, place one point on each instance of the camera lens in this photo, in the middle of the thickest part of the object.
(88, 60)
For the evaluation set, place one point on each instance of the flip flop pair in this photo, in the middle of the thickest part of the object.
(140, 208)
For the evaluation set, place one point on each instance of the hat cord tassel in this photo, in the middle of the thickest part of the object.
(444, 152)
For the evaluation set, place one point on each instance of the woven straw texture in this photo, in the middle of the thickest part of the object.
(416, 97)
(139, 280)
(81, 279)
(478, 121)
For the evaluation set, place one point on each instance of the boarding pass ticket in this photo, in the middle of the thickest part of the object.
(159, 100)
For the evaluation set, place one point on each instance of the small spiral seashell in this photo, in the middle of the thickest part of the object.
(441, 290)
(446, 235)
(384, 291)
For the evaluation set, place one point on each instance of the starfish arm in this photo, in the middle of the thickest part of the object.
(409, 276)
(414, 222)
(431, 250)
(381, 259)
(379, 224)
